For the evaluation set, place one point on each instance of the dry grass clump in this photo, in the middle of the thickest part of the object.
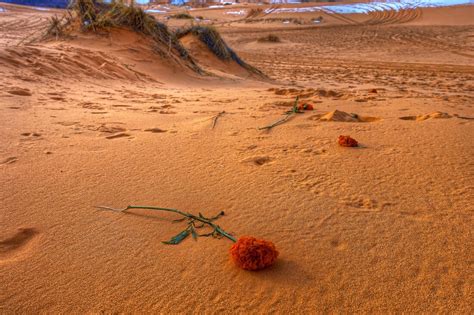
(271, 38)
(95, 15)
(211, 37)
(182, 16)
(213, 40)
(57, 26)
(276, 20)
(254, 12)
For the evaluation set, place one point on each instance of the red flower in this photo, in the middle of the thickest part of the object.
(347, 141)
(306, 106)
(250, 253)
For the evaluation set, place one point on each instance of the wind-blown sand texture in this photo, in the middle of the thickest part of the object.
(385, 227)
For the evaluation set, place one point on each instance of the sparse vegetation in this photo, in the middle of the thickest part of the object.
(294, 110)
(319, 19)
(254, 12)
(271, 38)
(57, 26)
(276, 20)
(211, 37)
(182, 16)
(94, 15)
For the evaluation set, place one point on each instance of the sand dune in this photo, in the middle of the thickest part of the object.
(123, 55)
(210, 61)
(104, 119)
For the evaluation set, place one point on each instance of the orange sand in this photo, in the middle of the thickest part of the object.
(386, 227)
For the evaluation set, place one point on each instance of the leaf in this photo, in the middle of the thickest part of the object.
(179, 220)
(217, 216)
(178, 238)
(193, 232)
(208, 234)
(199, 226)
(295, 106)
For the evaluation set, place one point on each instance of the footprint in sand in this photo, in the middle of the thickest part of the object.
(306, 93)
(329, 93)
(338, 245)
(9, 160)
(118, 135)
(463, 117)
(90, 105)
(155, 130)
(435, 115)
(113, 131)
(16, 245)
(363, 204)
(30, 135)
(258, 160)
(166, 112)
(121, 105)
(20, 92)
(110, 129)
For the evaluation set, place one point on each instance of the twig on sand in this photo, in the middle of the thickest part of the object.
(215, 118)
(217, 231)
(289, 114)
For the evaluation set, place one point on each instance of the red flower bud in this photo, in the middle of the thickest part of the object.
(305, 106)
(308, 107)
(346, 141)
(250, 253)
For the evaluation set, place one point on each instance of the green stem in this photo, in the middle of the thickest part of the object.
(217, 228)
(293, 111)
(278, 122)
(215, 118)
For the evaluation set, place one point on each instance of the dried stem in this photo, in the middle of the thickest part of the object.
(217, 230)
(289, 114)
(215, 118)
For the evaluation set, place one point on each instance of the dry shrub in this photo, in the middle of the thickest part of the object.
(182, 16)
(95, 15)
(271, 38)
(213, 40)
(254, 12)
(55, 27)
(275, 20)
